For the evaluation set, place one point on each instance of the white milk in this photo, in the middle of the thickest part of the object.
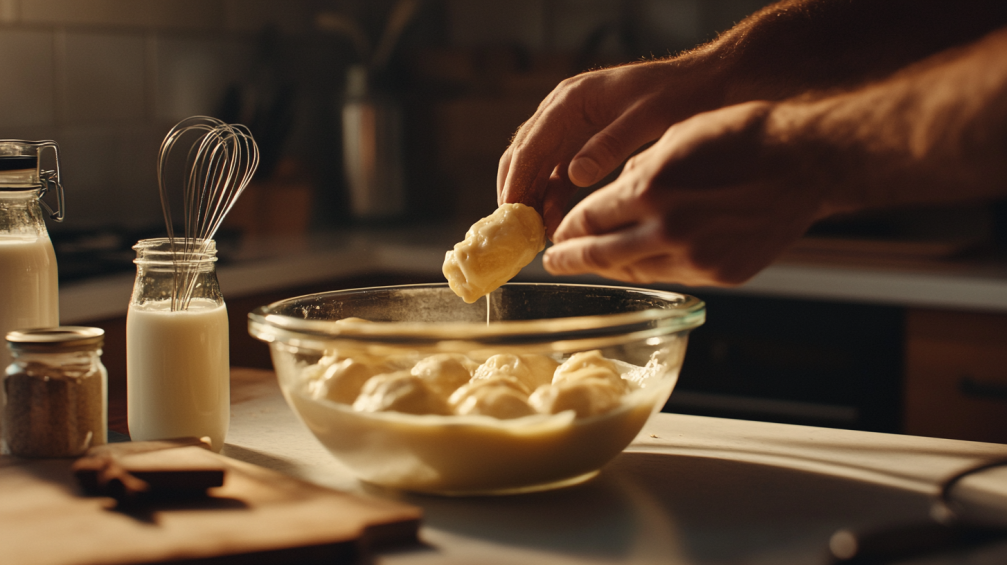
(29, 292)
(177, 371)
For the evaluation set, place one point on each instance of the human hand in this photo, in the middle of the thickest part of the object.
(713, 202)
(591, 123)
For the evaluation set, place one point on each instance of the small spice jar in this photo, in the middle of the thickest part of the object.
(55, 392)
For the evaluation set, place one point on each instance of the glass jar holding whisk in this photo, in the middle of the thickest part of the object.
(177, 366)
(177, 370)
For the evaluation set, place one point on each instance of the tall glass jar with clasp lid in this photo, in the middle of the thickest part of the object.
(29, 296)
(177, 363)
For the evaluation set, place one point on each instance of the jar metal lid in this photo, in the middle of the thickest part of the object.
(62, 338)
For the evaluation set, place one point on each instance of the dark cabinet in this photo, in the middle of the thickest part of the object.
(795, 361)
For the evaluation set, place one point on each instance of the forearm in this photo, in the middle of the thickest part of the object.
(936, 131)
(796, 46)
(592, 122)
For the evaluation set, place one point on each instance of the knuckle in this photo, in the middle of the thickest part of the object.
(592, 257)
(590, 223)
(568, 89)
(649, 194)
(569, 83)
(518, 155)
(586, 80)
(505, 158)
(632, 163)
(517, 133)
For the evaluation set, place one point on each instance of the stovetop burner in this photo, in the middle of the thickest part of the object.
(84, 254)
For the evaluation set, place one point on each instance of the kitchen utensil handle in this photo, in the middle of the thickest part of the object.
(906, 541)
(976, 388)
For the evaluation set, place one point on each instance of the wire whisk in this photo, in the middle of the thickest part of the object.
(220, 160)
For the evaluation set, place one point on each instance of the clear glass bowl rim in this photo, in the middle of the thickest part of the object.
(687, 313)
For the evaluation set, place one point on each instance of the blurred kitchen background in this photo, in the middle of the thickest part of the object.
(107, 79)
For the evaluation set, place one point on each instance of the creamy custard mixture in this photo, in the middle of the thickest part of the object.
(495, 249)
(504, 386)
(448, 424)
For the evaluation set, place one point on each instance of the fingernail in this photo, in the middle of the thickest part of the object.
(583, 170)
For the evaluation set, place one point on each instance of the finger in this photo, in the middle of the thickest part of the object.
(606, 209)
(608, 148)
(606, 254)
(674, 268)
(647, 270)
(667, 266)
(502, 169)
(523, 131)
(531, 188)
(552, 137)
(558, 192)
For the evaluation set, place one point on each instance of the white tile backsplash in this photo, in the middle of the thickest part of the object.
(27, 67)
(192, 74)
(108, 78)
(575, 20)
(104, 77)
(134, 13)
(30, 133)
(10, 11)
(135, 175)
(676, 20)
(519, 23)
(290, 16)
(110, 176)
(188, 14)
(88, 169)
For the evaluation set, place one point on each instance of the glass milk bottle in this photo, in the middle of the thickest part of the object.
(29, 295)
(177, 368)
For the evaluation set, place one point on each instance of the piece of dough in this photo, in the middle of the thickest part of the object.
(495, 249)
(400, 392)
(445, 372)
(542, 367)
(342, 380)
(589, 365)
(495, 397)
(586, 397)
(500, 380)
(531, 372)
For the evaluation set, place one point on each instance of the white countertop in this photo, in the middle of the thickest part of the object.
(272, 264)
(688, 490)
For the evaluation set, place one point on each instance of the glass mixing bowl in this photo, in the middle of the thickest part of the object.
(643, 331)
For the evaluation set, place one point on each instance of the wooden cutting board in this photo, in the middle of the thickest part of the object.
(257, 516)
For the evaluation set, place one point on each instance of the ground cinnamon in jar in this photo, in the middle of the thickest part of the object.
(55, 393)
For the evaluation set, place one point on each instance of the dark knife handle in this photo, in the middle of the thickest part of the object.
(976, 388)
(906, 541)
